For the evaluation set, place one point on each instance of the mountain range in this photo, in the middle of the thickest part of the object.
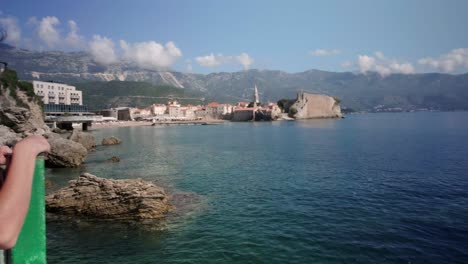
(365, 92)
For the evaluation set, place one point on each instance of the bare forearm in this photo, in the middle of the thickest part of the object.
(15, 194)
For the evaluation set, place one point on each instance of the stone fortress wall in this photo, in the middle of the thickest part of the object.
(316, 106)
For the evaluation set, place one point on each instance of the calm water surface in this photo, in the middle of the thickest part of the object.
(371, 188)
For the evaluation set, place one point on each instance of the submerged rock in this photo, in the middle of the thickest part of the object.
(95, 197)
(64, 152)
(111, 141)
(114, 159)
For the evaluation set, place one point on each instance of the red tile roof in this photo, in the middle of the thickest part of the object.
(213, 104)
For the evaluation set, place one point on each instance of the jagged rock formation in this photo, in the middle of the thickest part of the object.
(20, 119)
(64, 152)
(91, 196)
(86, 139)
(8, 137)
(110, 141)
(315, 106)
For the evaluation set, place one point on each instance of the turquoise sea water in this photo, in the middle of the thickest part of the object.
(371, 188)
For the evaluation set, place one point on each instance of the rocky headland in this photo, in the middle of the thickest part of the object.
(21, 115)
(92, 197)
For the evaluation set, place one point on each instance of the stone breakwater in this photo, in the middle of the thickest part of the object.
(93, 197)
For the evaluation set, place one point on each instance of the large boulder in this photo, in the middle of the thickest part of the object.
(110, 141)
(27, 119)
(8, 137)
(95, 197)
(86, 139)
(64, 152)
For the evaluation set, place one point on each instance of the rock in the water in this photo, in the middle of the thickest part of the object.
(95, 197)
(64, 152)
(86, 139)
(114, 159)
(8, 137)
(111, 141)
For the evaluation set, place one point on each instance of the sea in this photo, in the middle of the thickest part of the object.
(370, 188)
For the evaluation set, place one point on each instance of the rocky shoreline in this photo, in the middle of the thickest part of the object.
(89, 196)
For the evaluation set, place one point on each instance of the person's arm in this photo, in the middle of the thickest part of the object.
(15, 194)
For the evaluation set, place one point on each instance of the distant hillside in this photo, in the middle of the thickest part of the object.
(99, 95)
(369, 92)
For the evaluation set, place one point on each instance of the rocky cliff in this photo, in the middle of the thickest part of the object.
(315, 106)
(21, 115)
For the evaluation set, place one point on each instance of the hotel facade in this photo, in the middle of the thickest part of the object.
(53, 93)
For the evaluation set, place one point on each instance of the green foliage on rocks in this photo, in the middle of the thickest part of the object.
(292, 112)
(9, 81)
(284, 104)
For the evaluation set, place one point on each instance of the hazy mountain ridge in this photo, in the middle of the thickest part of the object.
(99, 95)
(360, 91)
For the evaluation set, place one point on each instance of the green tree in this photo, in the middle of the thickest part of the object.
(292, 112)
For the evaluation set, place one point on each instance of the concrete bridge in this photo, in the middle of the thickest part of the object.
(66, 121)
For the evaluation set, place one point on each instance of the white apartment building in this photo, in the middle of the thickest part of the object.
(57, 93)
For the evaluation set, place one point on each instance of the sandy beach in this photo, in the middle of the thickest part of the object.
(100, 125)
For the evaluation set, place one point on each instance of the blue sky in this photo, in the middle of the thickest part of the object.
(211, 36)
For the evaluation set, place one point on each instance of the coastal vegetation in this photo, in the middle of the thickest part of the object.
(284, 104)
(9, 82)
(292, 111)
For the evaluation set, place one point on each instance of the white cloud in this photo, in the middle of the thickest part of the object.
(213, 60)
(381, 64)
(47, 31)
(151, 55)
(102, 50)
(365, 63)
(188, 66)
(245, 60)
(324, 52)
(10, 25)
(73, 39)
(454, 60)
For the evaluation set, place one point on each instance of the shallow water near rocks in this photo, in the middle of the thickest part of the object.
(371, 188)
